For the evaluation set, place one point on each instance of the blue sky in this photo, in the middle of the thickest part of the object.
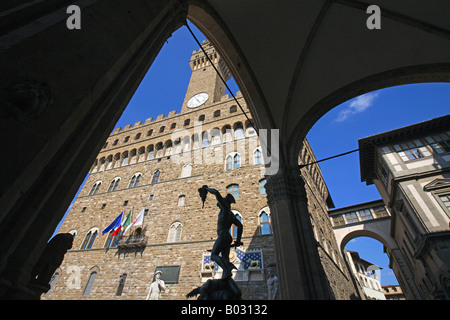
(338, 131)
(163, 89)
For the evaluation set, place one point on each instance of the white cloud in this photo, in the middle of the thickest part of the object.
(357, 105)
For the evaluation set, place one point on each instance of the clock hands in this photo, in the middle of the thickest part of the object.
(197, 100)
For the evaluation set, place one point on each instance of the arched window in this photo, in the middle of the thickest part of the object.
(126, 139)
(233, 161)
(201, 118)
(238, 131)
(233, 109)
(159, 150)
(262, 186)
(205, 136)
(114, 184)
(215, 136)
(168, 148)
(216, 113)
(227, 133)
(186, 144)
(138, 232)
(186, 171)
(233, 189)
(236, 161)
(117, 160)
(229, 162)
(156, 175)
(177, 147)
(265, 227)
(95, 188)
(181, 200)
(257, 157)
(109, 162)
(111, 241)
(233, 229)
(162, 129)
(89, 284)
(134, 182)
(150, 152)
(137, 136)
(175, 232)
(89, 239)
(141, 154)
(250, 131)
(125, 158)
(196, 141)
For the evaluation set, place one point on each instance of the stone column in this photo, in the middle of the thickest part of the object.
(55, 143)
(300, 272)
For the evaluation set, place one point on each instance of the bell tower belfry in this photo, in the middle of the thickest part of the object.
(205, 86)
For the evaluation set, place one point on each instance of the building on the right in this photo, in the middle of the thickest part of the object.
(393, 292)
(410, 167)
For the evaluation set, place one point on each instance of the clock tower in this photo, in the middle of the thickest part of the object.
(205, 86)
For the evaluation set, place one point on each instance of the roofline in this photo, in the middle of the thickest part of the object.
(367, 145)
(367, 204)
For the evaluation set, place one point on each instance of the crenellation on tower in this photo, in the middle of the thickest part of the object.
(182, 121)
(148, 120)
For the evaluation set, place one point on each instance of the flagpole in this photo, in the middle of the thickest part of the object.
(132, 210)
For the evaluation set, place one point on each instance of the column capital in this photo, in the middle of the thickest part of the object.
(286, 183)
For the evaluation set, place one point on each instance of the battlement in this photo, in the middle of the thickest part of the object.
(146, 122)
(205, 45)
(199, 61)
(160, 117)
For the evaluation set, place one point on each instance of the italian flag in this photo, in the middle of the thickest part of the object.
(125, 223)
(138, 221)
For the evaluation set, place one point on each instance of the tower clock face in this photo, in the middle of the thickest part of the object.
(197, 100)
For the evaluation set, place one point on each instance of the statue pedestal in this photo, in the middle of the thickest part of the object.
(217, 289)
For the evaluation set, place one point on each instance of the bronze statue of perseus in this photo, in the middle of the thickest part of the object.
(224, 239)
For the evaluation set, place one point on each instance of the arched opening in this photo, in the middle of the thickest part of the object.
(371, 268)
(338, 132)
(235, 132)
(138, 46)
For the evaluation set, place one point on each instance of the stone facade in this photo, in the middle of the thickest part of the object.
(319, 202)
(410, 168)
(158, 166)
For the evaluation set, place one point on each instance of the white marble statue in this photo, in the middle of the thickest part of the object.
(156, 287)
(272, 285)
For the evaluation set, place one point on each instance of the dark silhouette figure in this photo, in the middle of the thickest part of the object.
(50, 260)
(225, 219)
(218, 289)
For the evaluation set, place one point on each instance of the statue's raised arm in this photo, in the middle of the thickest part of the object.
(221, 249)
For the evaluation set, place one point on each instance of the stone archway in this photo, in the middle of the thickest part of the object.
(64, 90)
(378, 229)
(427, 73)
